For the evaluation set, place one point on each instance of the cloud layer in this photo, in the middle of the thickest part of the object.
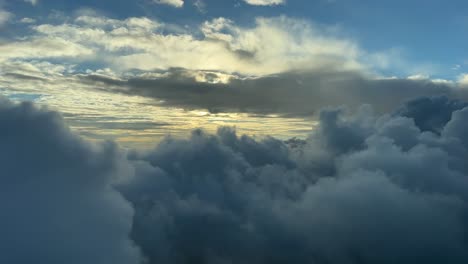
(294, 93)
(217, 72)
(363, 188)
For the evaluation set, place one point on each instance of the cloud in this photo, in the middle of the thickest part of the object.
(292, 93)
(4, 17)
(265, 2)
(363, 188)
(200, 5)
(27, 20)
(463, 79)
(33, 2)
(272, 45)
(174, 3)
(431, 113)
(57, 195)
(280, 66)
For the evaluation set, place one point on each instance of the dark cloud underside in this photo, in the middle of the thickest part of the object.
(363, 188)
(292, 93)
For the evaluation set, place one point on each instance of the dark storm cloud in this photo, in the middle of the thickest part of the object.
(363, 188)
(291, 93)
(57, 202)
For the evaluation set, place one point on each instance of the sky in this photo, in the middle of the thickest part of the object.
(233, 132)
(135, 71)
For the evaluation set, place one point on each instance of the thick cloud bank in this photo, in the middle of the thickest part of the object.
(295, 93)
(361, 189)
(56, 198)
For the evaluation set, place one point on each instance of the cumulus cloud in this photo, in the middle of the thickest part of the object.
(174, 3)
(363, 188)
(265, 2)
(56, 193)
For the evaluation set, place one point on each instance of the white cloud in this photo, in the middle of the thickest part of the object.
(200, 5)
(27, 20)
(4, 17)
(272, 45)
(418, 77)
(265, 2)
(175, 3)
(463, 79)
(43, 47)
(33, 2)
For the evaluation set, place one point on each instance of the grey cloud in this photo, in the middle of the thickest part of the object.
(58, 205)
(363, 188)
(431, 113)
(290, 94)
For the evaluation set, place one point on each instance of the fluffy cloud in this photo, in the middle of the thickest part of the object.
(175, 3)
(265, 2)
(361, 189)
(56, 195)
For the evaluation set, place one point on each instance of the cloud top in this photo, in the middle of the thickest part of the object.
(55, 190)
(363, 188)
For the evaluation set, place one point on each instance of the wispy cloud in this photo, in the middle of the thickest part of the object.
(174, 3)
(4, 17)
(33, 2)
(265, 2)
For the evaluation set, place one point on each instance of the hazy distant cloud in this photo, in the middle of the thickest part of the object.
(33, 2)
(265, 2)
(200, 5)
(4, 17)
(27, 20)
(175, 3)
